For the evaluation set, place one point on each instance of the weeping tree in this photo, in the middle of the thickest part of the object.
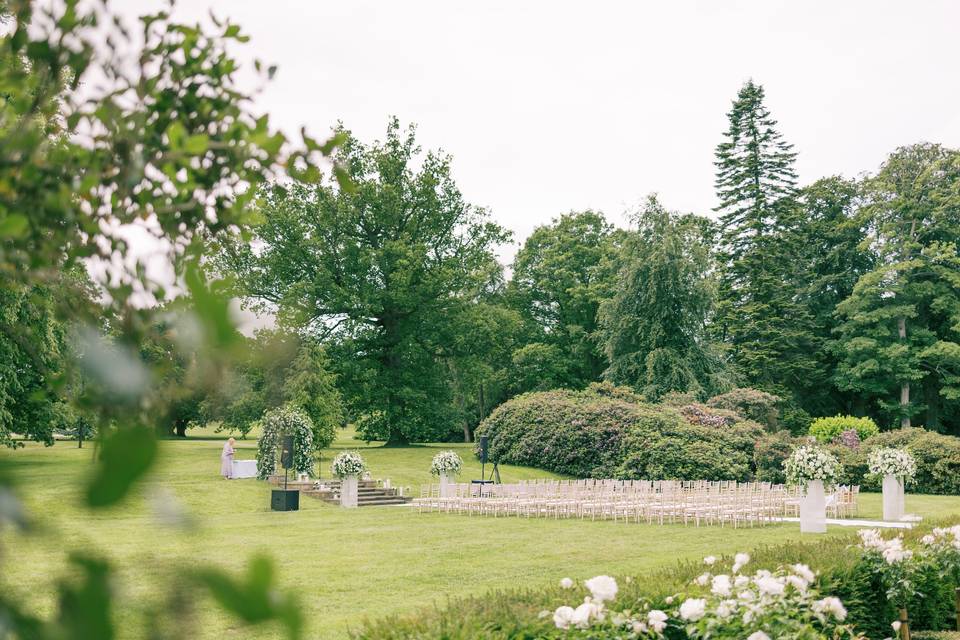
(654, 328)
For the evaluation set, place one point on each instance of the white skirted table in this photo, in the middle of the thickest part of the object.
(244, 469)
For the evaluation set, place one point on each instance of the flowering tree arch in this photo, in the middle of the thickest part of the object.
(276, 423)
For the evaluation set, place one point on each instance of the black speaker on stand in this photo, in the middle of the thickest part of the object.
(285, 499)
(484, 450)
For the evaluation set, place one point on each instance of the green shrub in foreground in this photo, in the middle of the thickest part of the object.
(826, 430)
(842, 572)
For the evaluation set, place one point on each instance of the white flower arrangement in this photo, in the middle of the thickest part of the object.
(448, 462)
(732, 605)
(892, 462)
(348, 463)
(808, 463)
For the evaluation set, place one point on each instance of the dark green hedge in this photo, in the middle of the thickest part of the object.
(513, 614)
(600, 433)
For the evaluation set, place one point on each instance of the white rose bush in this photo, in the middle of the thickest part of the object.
(755, 606)
(943, 545)
(448, 462)
(348, 463)
(897, 567)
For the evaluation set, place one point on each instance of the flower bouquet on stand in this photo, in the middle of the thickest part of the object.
(895, 466)
(812, 467)
(446, 465)
(348, 465)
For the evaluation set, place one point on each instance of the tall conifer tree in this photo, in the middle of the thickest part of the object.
(759, 312)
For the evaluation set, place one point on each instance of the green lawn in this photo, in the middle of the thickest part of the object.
(346, 564)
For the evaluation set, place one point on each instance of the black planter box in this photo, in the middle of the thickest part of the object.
(285, 500)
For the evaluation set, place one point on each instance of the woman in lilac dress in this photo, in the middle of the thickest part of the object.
(226, 459)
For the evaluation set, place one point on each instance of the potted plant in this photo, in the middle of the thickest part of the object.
(446, 465)
(895, 466)
(812, 467)
(348, 465)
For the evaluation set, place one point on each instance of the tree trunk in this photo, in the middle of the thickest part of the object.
(467, 435)
(905, 385)
(397, 438)
(181, 428)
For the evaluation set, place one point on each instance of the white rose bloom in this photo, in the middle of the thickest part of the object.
(702, 579)
(657, 620)
(798, 583)
(709, 561)
(724, 610)
(928, 539)
(668, 599)
(602, 587)
(721, 586)
(566, 583)
(562, 617)
(770, 586)
(639, 627)
(693, 609)
(740, 560)
(747, 596)
(583, 614)
(896, 626)
(741, 581)
(758, 635)
(831, 605)
(804, 572)
(895, 554)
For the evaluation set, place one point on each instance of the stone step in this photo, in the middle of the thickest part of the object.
(395, 500)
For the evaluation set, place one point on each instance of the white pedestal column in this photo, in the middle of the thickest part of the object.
(813, 509)
(348, 491)
(892, 498)
(446, 485)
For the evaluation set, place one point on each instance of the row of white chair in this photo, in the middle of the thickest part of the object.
(700, 502)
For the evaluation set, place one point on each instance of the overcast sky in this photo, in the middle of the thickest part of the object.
(552, 106)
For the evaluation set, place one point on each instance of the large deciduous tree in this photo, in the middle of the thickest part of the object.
(901, 326)
(560, 275)
(385, 269)
(654, 328)
(831, 231)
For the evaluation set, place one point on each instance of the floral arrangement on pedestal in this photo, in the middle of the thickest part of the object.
(758, 606)
(892, 462)
(448, 462)
(808, 463)
(348, 463)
